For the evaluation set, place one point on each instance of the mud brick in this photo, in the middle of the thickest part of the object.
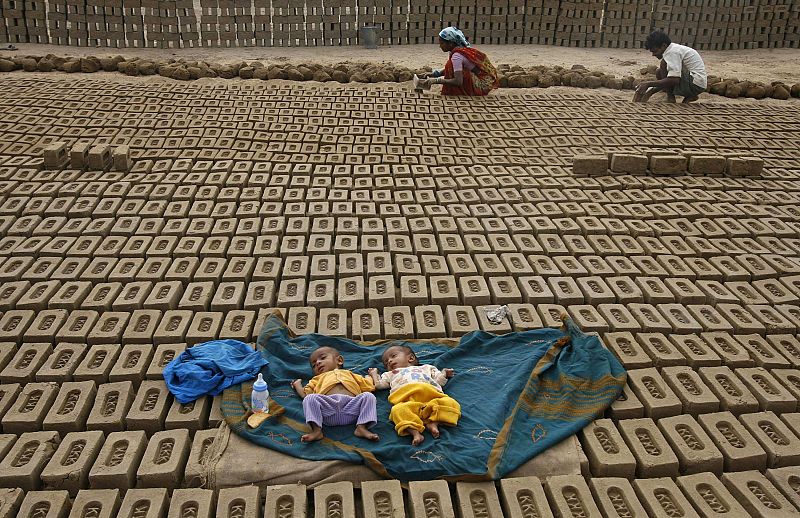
(774, 321)
(608, 454)
(12, 293)
(425, 495)
(770, 393)
(662, 498)
(595, 290)
(785, 480)
(730, 350)
(757, 495)
(744, 166)
(650, 318)
(110, 407)
(131, 363)
(332, 322)
(30, 408)
(565, 290)
(625, 290)
(198, 502)
(696, 351)
(588, 318)
(710, 496)
(350, 293)
(192, 416)
(738, 446)
(668, 164)
(147, 503)
(37, 296)
(238, 325)
(228, 296)
(524, 317)
(290, 501)
(98, 270)
(259, 294)
(164, 295)
(590, 165)
(443, 290)
(790, 378)
(414, 290)
(490, 265)
(365, 324)
(685, 291)
(679, 318)
(382, 496)
(71, 407)
(334, 498)
(551, 314)
(28, 359)
(164, 354)
(663, 352)
(141, 326)
(381, 291)
(568, 493)
(68, 470)
(775, 437)
(23, 464)
(97, 363)
(79, 156)
(8, 396)
(618, 317)
(657, 397)
(7, 352)
(654, 290)
(164, 460)
(524, 496)
(132, 296)
(291, 293)
(197, 296)
(504, 290)
(46, 325)
(397, 322)
(695, 396)
(629, 164)
(102, 296)
(245, 502)
(14, 323)
(302, 320)
(695, 450)
(628, 350)
(108, 328)
(653, 455)
(504, 326)
(460, 320)
(709, 318)
(172, 326)
(477, 499)
(733, 395)
(149, 408)
(201, 444)
(616, 497)
(205, 326)
(430, 322)
(102, 503)
(46, 504)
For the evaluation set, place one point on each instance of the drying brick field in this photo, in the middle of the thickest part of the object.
(377, 212)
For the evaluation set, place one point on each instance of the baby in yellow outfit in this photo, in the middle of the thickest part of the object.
(415, 392)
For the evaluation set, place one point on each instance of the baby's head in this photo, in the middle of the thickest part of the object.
(325, 359)
(399, 356)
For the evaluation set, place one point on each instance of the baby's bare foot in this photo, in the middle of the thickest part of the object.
(417, 438)
(315, 435)
(434, 429)
(363, 432)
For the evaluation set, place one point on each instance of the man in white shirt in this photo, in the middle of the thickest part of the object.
(682, 71)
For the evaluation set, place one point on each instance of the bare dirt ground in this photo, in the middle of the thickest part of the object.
(764, 65)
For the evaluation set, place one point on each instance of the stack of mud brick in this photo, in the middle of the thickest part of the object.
(672, 17)
(490, 22)
(105, 23)
(288, 23)
(3, 30)
(187, 23)
(626, 23)
(378, 13)
(578, 23)
(315, 23)
(399, 22)
(773, 19)
(791, 37)
(541, 22)
(515, 22)
(226, 23)
(424, 21)
(36, 21)
(209, 22)
(341, 22)
(77, 27)
(461, 14)
(132, 23)
(243, 18)
(262, 21)
(13, 27)
(712, 24)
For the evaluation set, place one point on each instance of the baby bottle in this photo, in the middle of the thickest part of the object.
(259, 399)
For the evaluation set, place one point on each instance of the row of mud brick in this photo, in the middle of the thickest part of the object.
(667, 163)
(736, 495)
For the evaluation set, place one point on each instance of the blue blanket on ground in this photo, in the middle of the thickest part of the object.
(211, 367)
(520, 393)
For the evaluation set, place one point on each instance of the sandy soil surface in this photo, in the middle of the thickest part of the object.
(765, 65)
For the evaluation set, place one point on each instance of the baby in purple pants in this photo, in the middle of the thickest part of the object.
(336, 397)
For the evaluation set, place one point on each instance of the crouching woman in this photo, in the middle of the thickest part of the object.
(468, 71)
